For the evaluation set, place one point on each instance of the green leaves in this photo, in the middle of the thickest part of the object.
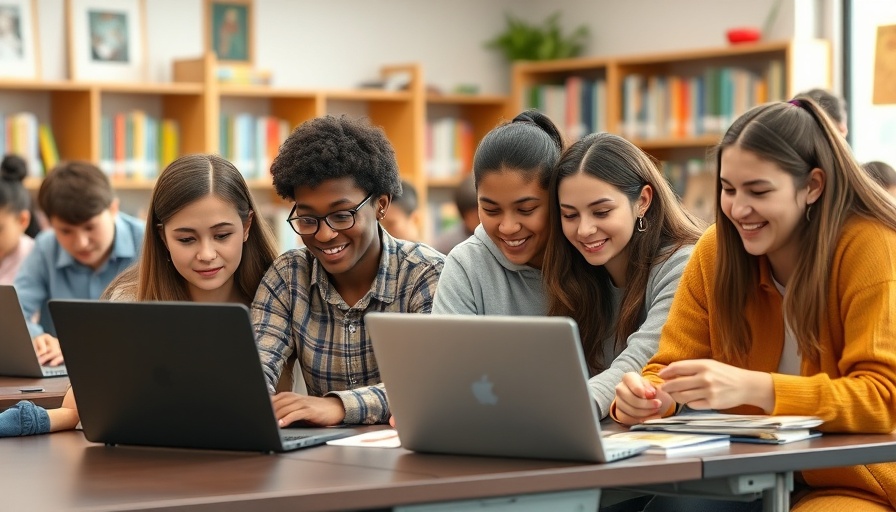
(524, 41)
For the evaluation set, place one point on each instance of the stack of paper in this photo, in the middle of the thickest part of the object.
(675, 443)
(741, 428)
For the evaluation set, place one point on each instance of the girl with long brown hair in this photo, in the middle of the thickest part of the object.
(786, 307)
(204, 242)
(619, 242)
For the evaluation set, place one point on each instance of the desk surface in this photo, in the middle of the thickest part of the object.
(64, 471)
(51, 397)
(829, 450)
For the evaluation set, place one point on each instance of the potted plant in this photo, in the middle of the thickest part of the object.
(524, 41)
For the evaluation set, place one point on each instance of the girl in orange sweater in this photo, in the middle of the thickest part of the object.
(786, 306)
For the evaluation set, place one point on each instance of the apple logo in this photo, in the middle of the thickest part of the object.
(482, 390)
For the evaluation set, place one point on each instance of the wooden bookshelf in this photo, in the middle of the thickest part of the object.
(659, 100)
(804, 64)
(196, 101)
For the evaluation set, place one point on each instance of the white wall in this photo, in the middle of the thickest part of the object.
(338, 43)
(647, 26)
(313, 43)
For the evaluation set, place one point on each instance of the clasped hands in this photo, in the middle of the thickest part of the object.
(697, 383)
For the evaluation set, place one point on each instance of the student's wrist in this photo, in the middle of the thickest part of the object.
(761, 390)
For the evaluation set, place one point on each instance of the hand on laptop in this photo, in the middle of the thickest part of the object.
(47, 349)
(638, 400)
(323, 411)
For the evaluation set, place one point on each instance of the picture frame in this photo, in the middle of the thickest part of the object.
(19, 48)
(229, 31)
(106, 40)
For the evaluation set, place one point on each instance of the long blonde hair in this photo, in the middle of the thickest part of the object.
(797, 137)
(188, 179)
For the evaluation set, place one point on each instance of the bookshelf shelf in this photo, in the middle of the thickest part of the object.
(152, 89)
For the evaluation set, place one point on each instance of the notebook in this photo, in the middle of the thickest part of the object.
(740, 427)
(175, 374)
(17, 357)
(490, 385)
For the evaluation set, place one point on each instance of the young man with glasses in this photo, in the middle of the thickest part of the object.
(342, 175)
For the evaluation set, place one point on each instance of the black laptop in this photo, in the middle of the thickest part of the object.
(17, 357)
(174, 374)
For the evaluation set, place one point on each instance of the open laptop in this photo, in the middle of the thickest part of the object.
(490, 385)
(175, 374)
(17, 357)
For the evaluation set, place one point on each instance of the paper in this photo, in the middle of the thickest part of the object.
(741, 428)
(668, 443)
(387, 438)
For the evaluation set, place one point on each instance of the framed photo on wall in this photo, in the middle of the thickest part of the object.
(229, 30)
(19, 56)
(106, 40)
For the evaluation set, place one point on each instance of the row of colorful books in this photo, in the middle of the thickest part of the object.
(251, 142)
(657, 106)
(136, 145)
(22, 134)
(449, 147)
(577, 106)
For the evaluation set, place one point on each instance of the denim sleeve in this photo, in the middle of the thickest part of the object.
(32, 286)
(24, 419)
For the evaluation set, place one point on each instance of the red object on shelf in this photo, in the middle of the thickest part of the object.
(743, 35)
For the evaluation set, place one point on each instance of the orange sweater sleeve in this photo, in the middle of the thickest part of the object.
(686, 334)
(853, 385)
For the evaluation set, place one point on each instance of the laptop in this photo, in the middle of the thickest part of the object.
(17, 357)
(491, 385)
(173, 374)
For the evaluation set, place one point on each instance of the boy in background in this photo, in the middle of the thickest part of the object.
(403, 219)
(89, 244)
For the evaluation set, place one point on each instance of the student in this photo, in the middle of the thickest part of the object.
(15, 217)
(786, 305)
(91, 242)
(403, 219)
(204, 243)
(14, 165)
(832, 105)
(619, 242)
(342, 174)
(497, 271)
(468, 208)
(883, 174)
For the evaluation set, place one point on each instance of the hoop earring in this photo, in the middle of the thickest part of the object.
(642, 226)
(808, 212)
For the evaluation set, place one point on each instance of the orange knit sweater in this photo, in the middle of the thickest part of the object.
(853, 385)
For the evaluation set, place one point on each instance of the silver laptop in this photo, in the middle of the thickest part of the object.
(490, 385)
(175, 374)
(17, 357)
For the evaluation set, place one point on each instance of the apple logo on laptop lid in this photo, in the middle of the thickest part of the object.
(482, 390)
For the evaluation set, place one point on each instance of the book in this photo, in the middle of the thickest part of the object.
(740, 428)
(675, 443)
(49, 153)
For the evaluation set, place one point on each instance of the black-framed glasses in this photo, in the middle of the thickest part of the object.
(338, 221)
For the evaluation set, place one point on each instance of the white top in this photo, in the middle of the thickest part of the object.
(790, 354)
